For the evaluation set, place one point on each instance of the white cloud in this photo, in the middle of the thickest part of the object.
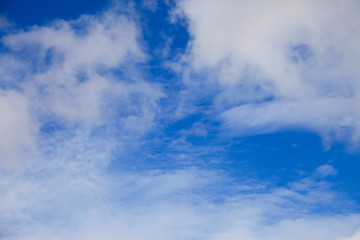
(326, 170)
(78, 200)
(356, 236)
(17, 128)
(64, 113)
(90, 41)
(62, 73)
(302, 54)
(62, 54)
(334, 116)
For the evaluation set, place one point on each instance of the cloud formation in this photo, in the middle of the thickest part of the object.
(61, 75)
(64, 114)
(79, 110)
(279, 64)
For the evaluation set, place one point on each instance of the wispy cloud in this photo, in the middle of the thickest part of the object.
(72, 202)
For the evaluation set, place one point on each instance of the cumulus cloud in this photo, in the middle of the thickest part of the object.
(284, 64)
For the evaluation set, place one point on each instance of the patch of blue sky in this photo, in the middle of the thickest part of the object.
(301, 53)
(289, 155)
(40, 12)
(164, 37)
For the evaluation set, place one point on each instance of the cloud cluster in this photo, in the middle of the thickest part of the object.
(279, 64)
(172, 205)
(71, 96)
(61, 74)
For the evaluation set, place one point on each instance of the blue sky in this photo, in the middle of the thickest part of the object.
(184, 119)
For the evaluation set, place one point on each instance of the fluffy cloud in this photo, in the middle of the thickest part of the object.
(61, 74)
(284, 64)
